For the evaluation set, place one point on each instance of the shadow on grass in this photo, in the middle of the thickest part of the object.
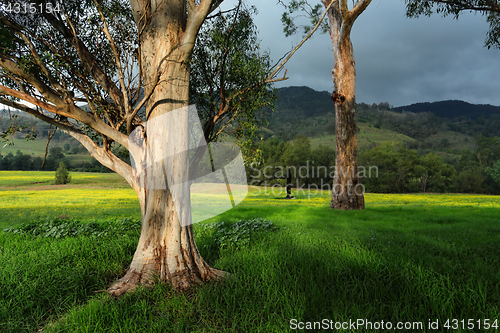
(309, 281)
(340, 266)
(41, 278)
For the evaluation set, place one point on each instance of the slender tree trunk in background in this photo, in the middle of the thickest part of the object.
(347, 192)
(50, 134)
(166, 248)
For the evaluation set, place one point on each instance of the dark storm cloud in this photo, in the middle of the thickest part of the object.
(424, 59)
(398, 60)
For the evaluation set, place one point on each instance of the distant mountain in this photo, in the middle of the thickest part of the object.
(452, 109)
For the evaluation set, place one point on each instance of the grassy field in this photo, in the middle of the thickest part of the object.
(37, 148)
(406, 258)
(367, 135)
(29, 196)
(21, 179)
(33, 147)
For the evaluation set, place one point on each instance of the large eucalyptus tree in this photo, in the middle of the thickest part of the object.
(129, 61)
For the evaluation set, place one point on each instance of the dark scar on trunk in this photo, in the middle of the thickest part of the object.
(336, 97)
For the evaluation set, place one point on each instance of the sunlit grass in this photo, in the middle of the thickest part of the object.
(267, 196)
(32, 147)
(9, 179)
(80, 203)
(409, 257)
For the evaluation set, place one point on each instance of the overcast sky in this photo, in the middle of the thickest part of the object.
(398, 60)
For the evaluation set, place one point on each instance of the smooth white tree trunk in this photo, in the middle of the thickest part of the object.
(166, 248)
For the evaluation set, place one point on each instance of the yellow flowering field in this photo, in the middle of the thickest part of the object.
(9, 179)
(431, 200)
(18, 206)
(28, 196)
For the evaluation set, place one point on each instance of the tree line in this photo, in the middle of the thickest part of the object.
(26, 162)
(385, 168)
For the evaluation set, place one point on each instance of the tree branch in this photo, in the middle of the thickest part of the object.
(117, 60)
(18, 30)
(358, 9)
(344, 10)
(50, 135)
(89, 60)
(220, 13)
(215, 4)
(224, 57)
(106, 158)
(64, 126)
(191, 6)
(490, 6)
(143, 101)
(28, 98)
(70, 110)
(270, 78)
(45, 90)
(280, 66)
(196, 16)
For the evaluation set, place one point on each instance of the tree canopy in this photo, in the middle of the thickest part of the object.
(228, 78)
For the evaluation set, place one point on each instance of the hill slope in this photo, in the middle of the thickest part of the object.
(452, 109)
(444, 127)
(303, 102)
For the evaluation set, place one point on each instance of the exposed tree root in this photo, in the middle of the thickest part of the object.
(181, 281)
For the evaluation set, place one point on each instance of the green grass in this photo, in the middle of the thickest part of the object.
(37, 148)
(367, 136)
(405, 258)
(32, 147)
(13, 179)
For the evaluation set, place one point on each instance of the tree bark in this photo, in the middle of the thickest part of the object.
(347, 191)
(166, 248)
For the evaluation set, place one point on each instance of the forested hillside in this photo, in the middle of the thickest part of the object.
(304, 111)
(413, 151)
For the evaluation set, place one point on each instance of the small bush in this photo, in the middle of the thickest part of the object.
(237, 235)
(62, 174)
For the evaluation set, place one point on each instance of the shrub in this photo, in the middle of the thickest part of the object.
(220, 235)
(62, 174)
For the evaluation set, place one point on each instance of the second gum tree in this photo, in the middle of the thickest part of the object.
(347, 192)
